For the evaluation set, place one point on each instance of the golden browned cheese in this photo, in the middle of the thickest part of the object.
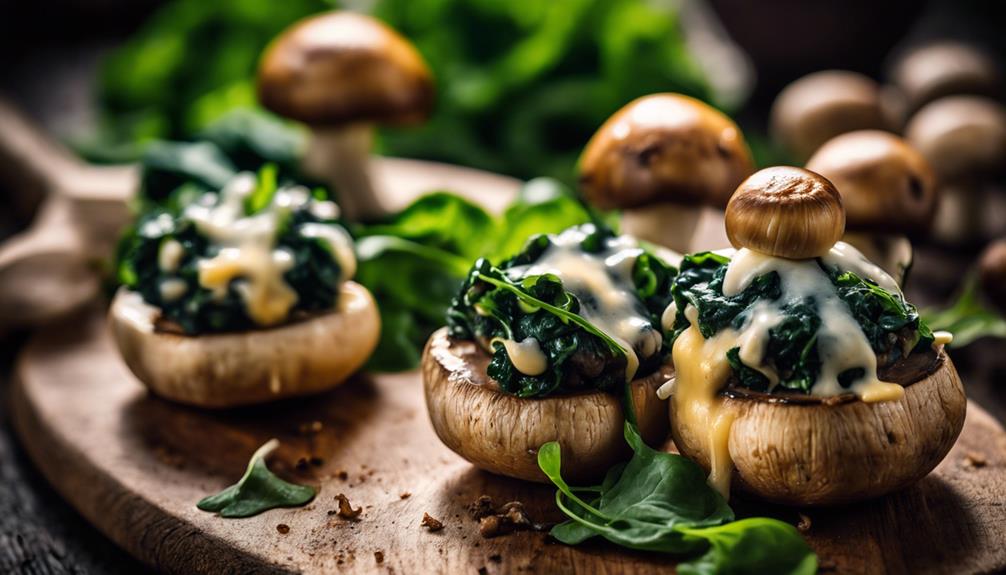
(822, 105)
(664, 148)
(886, 185)
(343, 67)
(785, 212)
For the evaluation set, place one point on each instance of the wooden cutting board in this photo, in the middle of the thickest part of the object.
(135, 465)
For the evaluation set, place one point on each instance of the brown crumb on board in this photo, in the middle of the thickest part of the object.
(430, 523)
(342, 475)
(379, 557)
(804, 525)
(346, 510)
(283, 528)
(496, 558)
(506, 519)
(404, 495)
(975, 460)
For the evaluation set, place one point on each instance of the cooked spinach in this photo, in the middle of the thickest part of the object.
(890, 324)
(314, 275)
(661, 502)
(492, 306)
(258, 490)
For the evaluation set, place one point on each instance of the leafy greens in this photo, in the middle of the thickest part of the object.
(258, 490)
(968, 318)
(661, 502)
(891, 325)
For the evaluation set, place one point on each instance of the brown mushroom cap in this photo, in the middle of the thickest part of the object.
(664, 148)
(822, 105)
(825, 453)
(343, 67)
(501, 433)
(886, 185)
(785, 212)
(961, 136)
(244, 368)
(944, 69)
(992, 268)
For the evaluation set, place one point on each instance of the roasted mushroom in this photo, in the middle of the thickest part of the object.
(661, 159)
(822, 105)
(340, 73)
(543, 348)
(801, 371)
(242, 296)
(964, 139)
(888, 190)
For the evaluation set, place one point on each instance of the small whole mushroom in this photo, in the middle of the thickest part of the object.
(340, 73)
(661, 159)
(822, 105)
(946, 68)
(888, 190)
(992, 273)
(964, 139)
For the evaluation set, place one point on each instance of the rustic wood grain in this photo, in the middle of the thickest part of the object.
(135, 465)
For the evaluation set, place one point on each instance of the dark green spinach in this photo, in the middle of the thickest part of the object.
(661, 502)
(258, 490)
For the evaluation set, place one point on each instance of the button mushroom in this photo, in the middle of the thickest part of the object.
(837, 418)
(501, 433)
(340, 73)
(946, 68)
(822, 105)
(888, 190)
(660, 159)
(964, 139)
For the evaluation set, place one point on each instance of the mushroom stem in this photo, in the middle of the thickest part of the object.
(341, 157)
(666, 224)
(959, 219)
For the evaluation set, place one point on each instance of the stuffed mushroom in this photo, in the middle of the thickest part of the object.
(802, 374)
(545, 347)
(242, 295)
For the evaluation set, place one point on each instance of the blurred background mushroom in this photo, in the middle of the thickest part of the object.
(663, 160)
(340, 73)
(888, 190)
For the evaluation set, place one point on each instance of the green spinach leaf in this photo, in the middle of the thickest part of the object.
(258, 490)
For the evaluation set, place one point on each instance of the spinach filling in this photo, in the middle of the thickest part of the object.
(891, 325)
(314, 273)
(494, 304)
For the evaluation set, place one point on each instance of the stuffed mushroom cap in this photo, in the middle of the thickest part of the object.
(343, 67)
(664, 148)
(886, 185)
(501, 433)
(222, 370)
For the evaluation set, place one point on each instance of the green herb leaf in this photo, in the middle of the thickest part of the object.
(969, 319)
(661, 502)
(543, 206)
(258, 490)
(265, 190)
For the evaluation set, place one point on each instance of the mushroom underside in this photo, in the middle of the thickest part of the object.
(827, 453)
(502, 433)
(243, 368)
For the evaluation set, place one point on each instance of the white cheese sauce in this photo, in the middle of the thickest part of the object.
(602, 282)
(247, 246)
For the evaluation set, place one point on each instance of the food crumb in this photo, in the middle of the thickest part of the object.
(496, 558)
(342, 475)
(506, 519)
(283, 528)
(804, 525)
(346, 510)
(317, 461)
(379, 557)
(301, 464)
(483, 571)
(975, 460)
(404, 495)
(430, 523)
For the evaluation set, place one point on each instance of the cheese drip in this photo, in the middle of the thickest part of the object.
(602, 282)
(247, 246)
(702, 368)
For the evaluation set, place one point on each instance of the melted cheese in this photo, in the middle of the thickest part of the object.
(892, 252)
(170, 255)
(941, 338)
(526, 356)
(247, 246)
(172, 288)
(603, 283)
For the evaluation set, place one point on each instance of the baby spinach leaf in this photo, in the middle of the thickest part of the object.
(543, 206)
(968, 318)
(661, 502)
(258, 490)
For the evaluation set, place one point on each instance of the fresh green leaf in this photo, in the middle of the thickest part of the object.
(265, 190)
(258, 490)
(968, 318)
(543, 206)
(166, 166)
(661, 502)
